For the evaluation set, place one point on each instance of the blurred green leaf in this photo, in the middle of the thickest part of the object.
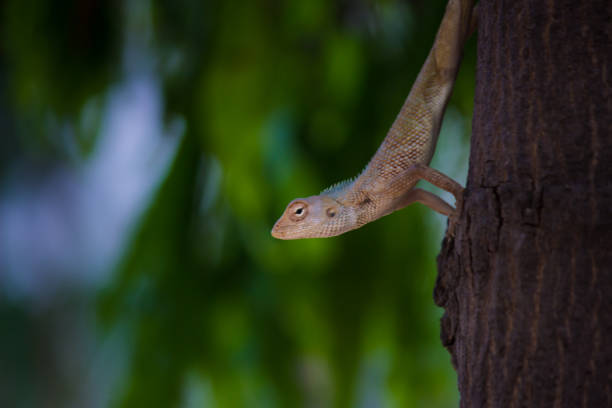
(279, 100)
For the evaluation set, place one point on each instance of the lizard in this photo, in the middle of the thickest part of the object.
(388, 182)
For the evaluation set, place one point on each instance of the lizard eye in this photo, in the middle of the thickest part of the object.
(297, 211)
(331, 212)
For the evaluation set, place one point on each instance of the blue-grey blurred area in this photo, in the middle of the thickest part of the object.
(147, 148)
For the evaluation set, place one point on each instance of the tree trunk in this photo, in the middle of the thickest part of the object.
(527, 281)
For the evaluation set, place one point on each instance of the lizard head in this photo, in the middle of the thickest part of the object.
(317, 216)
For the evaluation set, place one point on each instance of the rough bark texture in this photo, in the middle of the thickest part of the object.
(527, 280)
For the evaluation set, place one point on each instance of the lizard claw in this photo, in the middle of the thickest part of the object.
(453, 219)
(452, 224)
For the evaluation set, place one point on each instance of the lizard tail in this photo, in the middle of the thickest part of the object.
(456, 27)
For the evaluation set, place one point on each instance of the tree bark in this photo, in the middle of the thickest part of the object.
(527, 281)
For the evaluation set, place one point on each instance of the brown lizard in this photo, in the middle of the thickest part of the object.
(387, 183)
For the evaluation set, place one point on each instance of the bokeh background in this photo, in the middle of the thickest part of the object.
(147, 148)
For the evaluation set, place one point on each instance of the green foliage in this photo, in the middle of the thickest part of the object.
(280, 99)
(59, 54)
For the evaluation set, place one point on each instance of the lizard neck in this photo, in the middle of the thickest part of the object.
(365, 206)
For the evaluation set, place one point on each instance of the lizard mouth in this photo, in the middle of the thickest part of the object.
(278, 231)
(285, 232)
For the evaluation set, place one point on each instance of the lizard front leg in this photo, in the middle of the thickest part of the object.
(419, 171)
(432, 201)
(438, 179)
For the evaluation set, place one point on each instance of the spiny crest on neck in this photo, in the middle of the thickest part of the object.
(337, 189)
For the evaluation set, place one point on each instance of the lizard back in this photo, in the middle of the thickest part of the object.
(414, 133)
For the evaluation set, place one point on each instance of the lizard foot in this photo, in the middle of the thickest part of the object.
(453, 218)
